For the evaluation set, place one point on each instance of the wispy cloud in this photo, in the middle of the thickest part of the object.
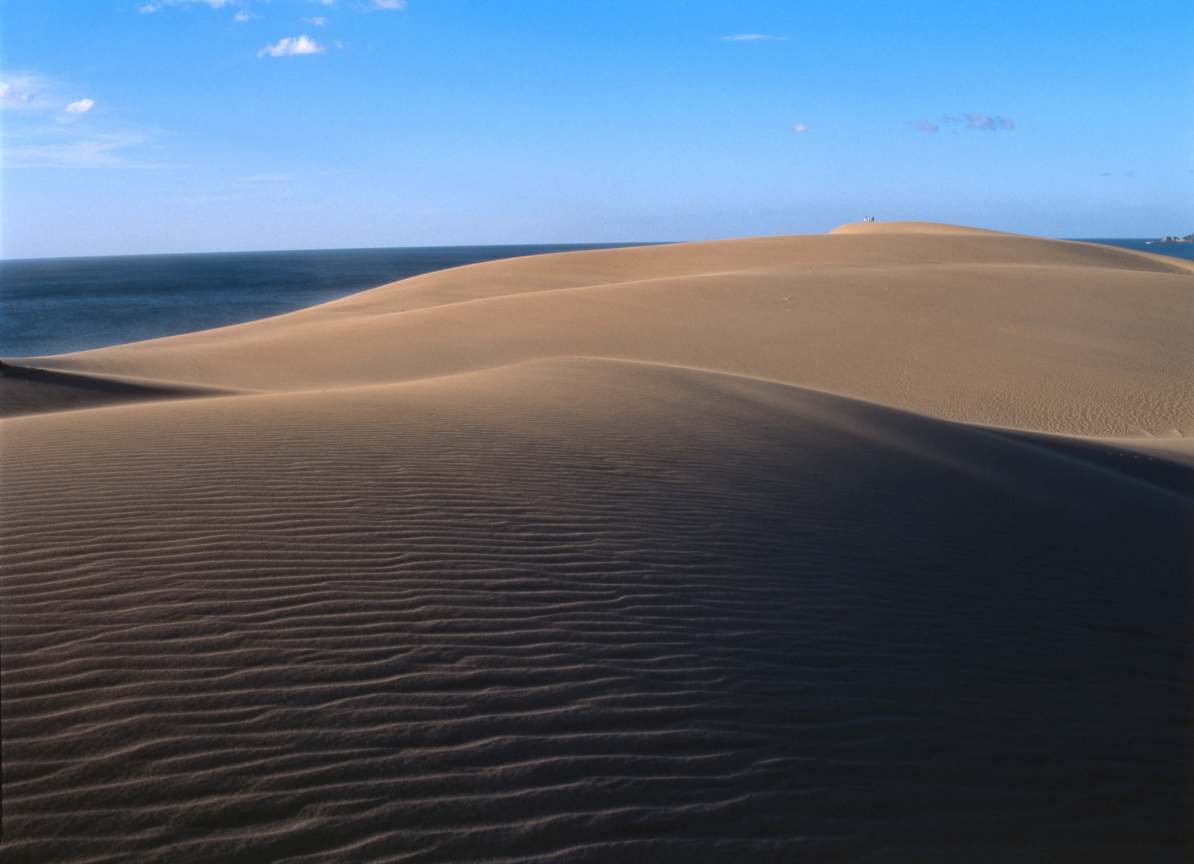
(80, 106)
(267, 177)
(292, 46)
(158, 5)
(41, 150)
(317, 21)
(24, 91)
(752, 37)
(389, 4)
(981, 122)
(973, 120)
(799, 128)
(989, 123)
(241, 16)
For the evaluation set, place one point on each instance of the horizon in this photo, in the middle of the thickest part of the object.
(207, 126)
(168, 254)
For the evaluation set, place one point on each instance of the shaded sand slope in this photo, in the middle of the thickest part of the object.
(581, 610)
(572, 558)
(25, 390)
(976, 326)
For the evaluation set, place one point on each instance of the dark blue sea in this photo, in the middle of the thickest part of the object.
(56, 305)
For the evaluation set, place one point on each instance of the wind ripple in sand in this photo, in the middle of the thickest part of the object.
(584, 610)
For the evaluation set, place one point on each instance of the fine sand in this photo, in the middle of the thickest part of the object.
(867, 546)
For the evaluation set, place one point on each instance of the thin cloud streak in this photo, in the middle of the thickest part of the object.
(973, 120)
(101, 149)
(989, 123)
(752, 37)
(981, 122)
(158, 5)
(24, 91)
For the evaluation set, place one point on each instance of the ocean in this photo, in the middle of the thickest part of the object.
(57, 305)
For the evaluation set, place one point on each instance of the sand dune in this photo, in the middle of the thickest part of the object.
(572, 558)
(1003, 330)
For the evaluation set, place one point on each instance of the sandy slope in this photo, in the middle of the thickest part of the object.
(1000, 329)
(523, 561)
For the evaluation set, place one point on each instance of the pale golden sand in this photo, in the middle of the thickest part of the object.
(875, 543)
(975, 326)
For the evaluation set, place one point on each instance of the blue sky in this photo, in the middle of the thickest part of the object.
(190, 125)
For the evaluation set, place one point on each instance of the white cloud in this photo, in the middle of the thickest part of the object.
(34, 94)
(241, 17)
(42, 131)
(292, 46)
(318, 21)
(800, 128)
(389, 4)
(752, 37)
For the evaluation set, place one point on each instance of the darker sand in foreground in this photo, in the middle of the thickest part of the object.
(527, 561)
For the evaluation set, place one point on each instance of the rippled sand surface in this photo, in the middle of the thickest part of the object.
(870, 546)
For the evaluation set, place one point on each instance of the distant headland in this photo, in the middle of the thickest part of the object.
(1173, 238)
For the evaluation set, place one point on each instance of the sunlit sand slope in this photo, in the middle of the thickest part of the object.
(982, 327)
